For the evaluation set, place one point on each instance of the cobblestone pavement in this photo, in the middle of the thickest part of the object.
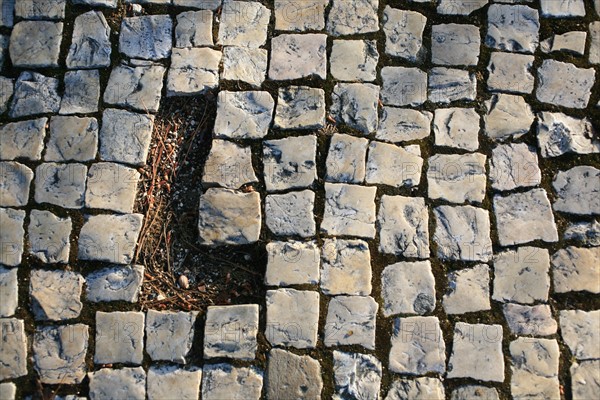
(428, 194)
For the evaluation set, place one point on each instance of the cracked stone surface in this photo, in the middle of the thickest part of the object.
(171, 381)
(72, 139)
(119, 338)
(349, 210)
(228, 165)
(457, 178)
(356, 375)
(82, 92)
(456, 127)
(569, 8)
(243, 24)
(577, 191)
(417, 389)
(59, 353)
(34, 94)
(510, 73)
(585, 233)
(290, 163)
(116, 283)
(55, 295)
(570, 42)
(292, 376)
(49, 237)
(13, 357)
(9, 296)
(530, 320)
(581, 332)
(345, 267)
(125, 136)
(15, 183)
(514, 165)
(404, 33)
(513, 28)
(241, 323)
(351, 321)
(403, 226)
(455, 44)
(169, 335)
(106, 382)
(90, 46)
(507, 117)
(291, 214)
(300, 107)
(135, 87)
(7, 85)
(60, 184)
(351, 17)
(468, 290)
(110, 238)
(300, 16)
(148, 37)
(521, 276)
(194, 29)
(403, 86)
(535, 368)
(292, 318)
(111, 186)
(229, 217)
(292, 263)
(296, 56)
(585, 379)
(245, 64)
(223, 381)
(193, 71)
(564, 84)
(346, 160)
(446, 85)
(355, 104)
(243, 115)
(23, 139)
(474, 392)
(576, 269)
(11, 236)
(354, 60)
(40, 9)
(392, 165)
(35, 44)
(403, 125)
(558, 134)
(408, 288)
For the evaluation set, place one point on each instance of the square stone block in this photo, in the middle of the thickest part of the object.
(296, 56)
(403, 125)
(228, 165)
(35, 44)
(90, 45)
(462, 233)
(513, 28)
(290, 163)
(408, 288)
(166, 382)
(292, 318)
(346, 159)
(243, 115)
(193, 71)
(224, 381)
(352, 17)
(345, 267)
(356, 106)
(576, 269)
(510, 73)
(147, 37)
(403, 226)
(581, 332)
(300, 107)
(418, 388)
(354, 60)
(16, 179)
(34, 94)
(530, 320)
(72, 139)
(135, 87)
(388, 164)
(457, 127)
(514, 165)
(403, 86)
(194, 29)
(291, 214)
(356, 375)
(292, 263)
(446, 85)
(349, 210)
(457, 178)
(534, 368)
(13, 342)
(245, 65)
(9, 292)
(82, 92)
(404, 33)
(230, 332)
(558, 133)
(564, 84)
(521, 276)
(49, 237)
(243, 23)
(170, 335)
(55, 295)
(22, 139)
(131, 383)
(111, 186)
(292, 15)
(116, 283)
(577, 191)
(290, 376)
(468, 290)
(507, 117)
(581, 374)
(455, 44)
(119, 338)
(351, 321)
(125, 136)
(60, 184)
(11, 236)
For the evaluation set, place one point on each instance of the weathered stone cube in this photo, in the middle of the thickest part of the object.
(408, 288)
(345, 267)
(356, 375)
(513, 28)
(353, 17)
(468, 290)
(403, 226)
(15, 180)
(418, 388)
(507, 116)
(349, 210)
(90, 46)
(510, 73)
(193, 71)
(354, 60)
(60, 184)
(136, 87)
(228, 165)
(577, 191)
(291, 214)
(244, 64)
(559, 134)
(116, 283)
(111, 186)
(13, 342)
(119, 337)
(55, 295)
(455, 44)
(534, 368)
(125, 136)
(457, 178)
(49, 236)
(403, 86)
(514, 165)
(585, 376)
(346, 159)
(173, 382)
(456, 127)
(576, 269)
(11, 236)
(564, 84)
(243, 23)
(521, 276)
(194, 29)
(243, 115)
(292, 318)
(224, 381)
(125, 382)
(351, 321)
(72, 139)
(296, 56)
(300, 107)
(169, 335)
(23, 139)
(404, 33)
(290, 376)
(82, 92)
(292, 263)
(581, 332)
(230, 331)
(290, 163)
(388, 164)
(530, 320)
(403, 125)
(291, 15)
(356, 105)
(446, 85)
(34, 94)
(148, 37)
(35, 44)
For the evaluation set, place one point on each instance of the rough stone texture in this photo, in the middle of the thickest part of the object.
(193, 71)
(404, 33)
(474, 392)
(510, 73)
(49, 237)
(243, 24)
(229, 217)
(408, 288)
(7, 13)
(290, 376)
(14, 184)
(72, 139)
(82, 92)
(223, 381)
(416, 389)
(349, 210)
(356, 105)
(477, 352)
(173, 382)
(116, 283)
(292, 318)
(148, 37)
(90, 46)
(578, 191)
(357, 376)
(246, 65)
(228, 165)
(521, 276)
(403, 125)
(59, 353)
(292, 263)
(296, 56)
(199, 4)
(35, 44)
(585, 379)
(34, 94)
(291, 15)
(291, 214)
(418, 347)
(112, 187)
(351, 321)
(23, 139)
(60, 184)
(530, 320)
(11, 236)
(110, 238)
(125, 136)
(403, 86)
(581, 332)
(564, 84)
(13, 342)
(346, 160)
(9, 297)
(230, 331)
(403, 226)
(446, 85)
(585, 233)
(514, 165)
(524, 217)
(138, 88)
(534, 368)
(290, 163)
(462, 233)
(8, 391)
(457, 178)
(169, 335)
(593, 52)
(507, 117)
(300, 107)
(568, 8)
(345, 267)
(356, 17)
(468, 290)
(7, 85)
(456, 127)
(122, 383)
(392, 165)
(243, 115)
(513, 28)
(576, 269)
(455, 44)
(354, 60)
(558, 134)
(119, 338)
(194, 29)
(55, 295)
(4, 44)
(570, 42)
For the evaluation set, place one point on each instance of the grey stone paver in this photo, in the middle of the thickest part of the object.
(534, 368)
(558, 134)
(403, 125)
(408, 288)
(292, 376)
(349, 210)
(49, 236)
(585, 379)
(243, 24)
(446, 85)
(194, 29)
(417, 389)
(507, 116)
(514, 165)
(169, 335)
(403, 226)
(388, 164)
(34, 94)
(292, 318)
(570, 42)
(245, 64)
(13, 357)
(228, 165)
(55, 295)
(291, 15)
(243, 115)
(300, 107)
(469, 290)
(15, 184)
(90, 46)
(570, 8)
(290, 163)
(576, 269)
(60, 184)
(296, 56)
(586, 233)
(224, 381)
(82, 92)
(11, 236)
(230, 332)
(119, 338)
(352, 17)
(72, 139)
(111, 186)
(125, 382)
(513, 28)
(171, 381)
(471, 392)
(354, 60)
(403, 86)
(456, 127)
(530, 320)
(457, 178)
(125, 136)
(564, 84)
(510, 72)
(8, 390)
(9, 295)
(355, 104)
(455, 44)
(345, 267)
(291, 214)
(136, 87)
(292, 263)
(7, 16)
(351, 321)
(404, 33)
(346, 159)
(356, 375)
(581, 332)
(35, 44)
(193, 71)
(116, 283)
(521, 276)
(148, 37)
(577, 191)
